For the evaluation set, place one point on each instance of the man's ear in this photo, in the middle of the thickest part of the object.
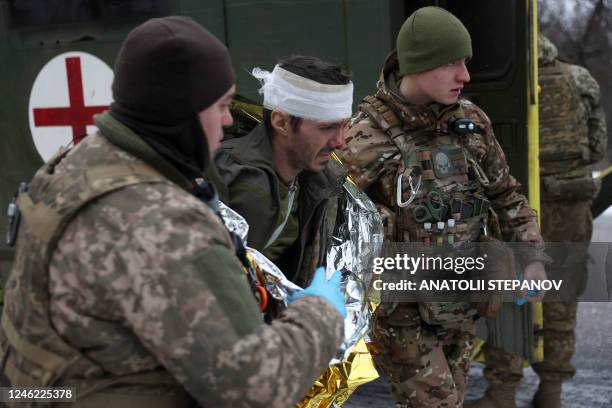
(280, 122)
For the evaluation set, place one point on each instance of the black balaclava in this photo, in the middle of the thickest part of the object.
(167, 71)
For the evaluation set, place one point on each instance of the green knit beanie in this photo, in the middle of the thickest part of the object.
(429, 38)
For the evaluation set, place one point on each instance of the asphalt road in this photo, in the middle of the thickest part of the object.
(592, 385)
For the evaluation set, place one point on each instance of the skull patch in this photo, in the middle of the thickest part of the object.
(442, 164)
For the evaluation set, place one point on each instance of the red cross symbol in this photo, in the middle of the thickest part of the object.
(77, 115)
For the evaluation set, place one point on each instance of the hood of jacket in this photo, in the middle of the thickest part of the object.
(255, 149)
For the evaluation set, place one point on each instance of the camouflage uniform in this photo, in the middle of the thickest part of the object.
(571, 117)
(428, 364)
(139, 299)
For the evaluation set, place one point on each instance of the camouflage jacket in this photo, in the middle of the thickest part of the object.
(248, 183)
(588, 89)
(145, 278)
(373, 160)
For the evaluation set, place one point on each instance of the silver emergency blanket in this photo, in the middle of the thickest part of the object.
(279, 287)
(358, 240)
(355, 244)
(234, 221)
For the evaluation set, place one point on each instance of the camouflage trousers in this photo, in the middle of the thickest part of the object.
(570, 221)
(503, 368)
(425, 369)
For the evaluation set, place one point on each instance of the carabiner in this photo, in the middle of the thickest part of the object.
(399, 190)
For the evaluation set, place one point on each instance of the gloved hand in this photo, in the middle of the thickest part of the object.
(534, 272)
(327, 289)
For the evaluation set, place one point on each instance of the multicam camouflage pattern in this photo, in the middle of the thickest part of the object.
(144, 280)
(374, 160)
(425, 369)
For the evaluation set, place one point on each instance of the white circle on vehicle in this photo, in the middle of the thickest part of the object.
(66, 93)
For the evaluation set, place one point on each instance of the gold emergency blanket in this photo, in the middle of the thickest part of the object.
(359, 241)
(339, 381)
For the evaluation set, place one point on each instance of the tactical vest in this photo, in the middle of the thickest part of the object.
(451, 188)
(32, 353)
(564, 137)
(564, 133)
(445, 167)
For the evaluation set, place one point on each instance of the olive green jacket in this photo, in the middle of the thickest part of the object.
(248, 183)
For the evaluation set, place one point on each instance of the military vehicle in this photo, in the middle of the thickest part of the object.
(57, 58)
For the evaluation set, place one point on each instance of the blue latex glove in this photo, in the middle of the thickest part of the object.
(327, 289)
(523, 300)
(530, 293)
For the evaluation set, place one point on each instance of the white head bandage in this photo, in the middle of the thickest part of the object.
(303, 97)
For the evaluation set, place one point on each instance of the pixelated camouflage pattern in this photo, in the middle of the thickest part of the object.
(559, 342)
(588, 89)
(559, 317)
(547, 51)
(572, 124)
(502, 369)
(425, 370)
(570, 203)
(144, 279)
(570, 221)
(564, 143)
(506, 369)
(557, 211)
(572, 121)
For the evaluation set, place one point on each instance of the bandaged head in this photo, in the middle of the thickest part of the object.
(303, 97)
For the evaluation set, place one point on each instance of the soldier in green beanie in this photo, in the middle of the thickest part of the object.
(404, 133)
(429, 38)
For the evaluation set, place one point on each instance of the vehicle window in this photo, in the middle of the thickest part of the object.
(493, 34)
(492, 26)
(36, 12)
